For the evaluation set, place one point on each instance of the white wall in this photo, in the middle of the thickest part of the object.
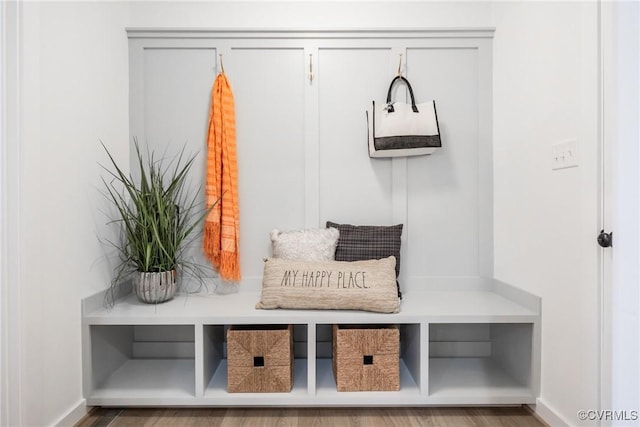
(75, 81)
(546, 88)
(75, 91)
(298, 14)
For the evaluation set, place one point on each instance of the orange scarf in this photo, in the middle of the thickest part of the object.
(221, 227)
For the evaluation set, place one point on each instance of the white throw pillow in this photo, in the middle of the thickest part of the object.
(314, 244)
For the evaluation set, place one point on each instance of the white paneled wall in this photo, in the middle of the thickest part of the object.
(444, 190)
(268, 87)
(353, 187)
(300, 102)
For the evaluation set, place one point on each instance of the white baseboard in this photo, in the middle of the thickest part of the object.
(73, 415)
(549, 415)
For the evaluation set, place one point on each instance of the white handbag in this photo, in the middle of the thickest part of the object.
(397, 129)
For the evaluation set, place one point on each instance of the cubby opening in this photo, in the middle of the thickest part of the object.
(215, 372)
(481, 360)
(409, 363)
(142, 361)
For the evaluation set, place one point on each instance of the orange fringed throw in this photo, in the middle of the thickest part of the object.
(221, 227)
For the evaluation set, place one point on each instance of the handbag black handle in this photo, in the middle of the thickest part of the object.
(390, 108)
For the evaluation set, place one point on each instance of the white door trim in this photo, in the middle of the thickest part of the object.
(621, 208)
(605, 41)
(10, 118)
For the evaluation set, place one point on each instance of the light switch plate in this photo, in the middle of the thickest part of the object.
(564, 154)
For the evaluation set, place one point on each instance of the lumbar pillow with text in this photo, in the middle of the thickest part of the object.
(314, 244)
(360, 285)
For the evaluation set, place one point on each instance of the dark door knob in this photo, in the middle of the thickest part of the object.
(605, 239)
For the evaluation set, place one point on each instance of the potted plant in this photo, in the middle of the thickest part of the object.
(157, 216)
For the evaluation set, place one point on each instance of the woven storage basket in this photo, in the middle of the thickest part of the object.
(366, 358)
(259, 359)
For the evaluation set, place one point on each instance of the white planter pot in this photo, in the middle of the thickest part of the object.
(155, 287)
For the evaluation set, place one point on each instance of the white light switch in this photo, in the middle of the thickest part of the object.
(564, 154)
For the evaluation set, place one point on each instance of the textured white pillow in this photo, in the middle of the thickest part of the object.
(314, 244)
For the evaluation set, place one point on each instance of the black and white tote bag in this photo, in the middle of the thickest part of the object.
(397, 129)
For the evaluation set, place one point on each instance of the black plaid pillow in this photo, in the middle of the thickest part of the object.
(364, 242)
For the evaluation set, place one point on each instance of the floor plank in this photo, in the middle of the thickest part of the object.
(312, 417)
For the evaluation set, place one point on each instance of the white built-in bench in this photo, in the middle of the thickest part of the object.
(463, 342)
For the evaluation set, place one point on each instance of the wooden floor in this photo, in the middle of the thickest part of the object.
(312, 417)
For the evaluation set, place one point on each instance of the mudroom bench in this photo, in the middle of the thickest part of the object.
(471, 341)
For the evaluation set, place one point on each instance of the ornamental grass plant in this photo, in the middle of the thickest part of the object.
(157, 215)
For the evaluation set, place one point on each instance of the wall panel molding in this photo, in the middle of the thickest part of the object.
(276, 33)
(319, 169)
